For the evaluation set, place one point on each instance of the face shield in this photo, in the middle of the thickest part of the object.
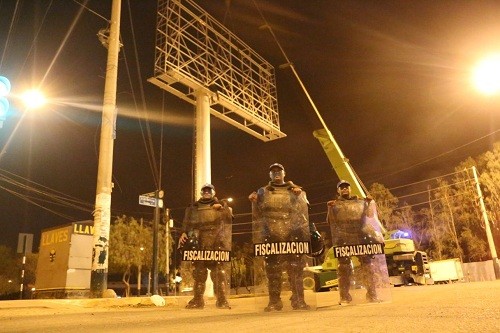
(207, 192)
(277, 175)
(344, 190)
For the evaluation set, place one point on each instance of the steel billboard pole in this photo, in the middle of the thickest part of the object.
(102, 212)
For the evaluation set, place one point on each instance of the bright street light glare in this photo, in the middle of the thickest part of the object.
(487, 75)
(33, 99)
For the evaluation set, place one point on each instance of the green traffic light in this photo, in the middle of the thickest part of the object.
(4, 107)
(4, 86)
(4, 102)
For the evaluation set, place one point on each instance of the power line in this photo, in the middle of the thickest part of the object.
(425, 180)
(439, 155)
(14, 17)
(434, 189)
(404, 196)
(426, 202)
(84, 5)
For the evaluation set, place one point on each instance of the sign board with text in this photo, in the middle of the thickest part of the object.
(150, 201)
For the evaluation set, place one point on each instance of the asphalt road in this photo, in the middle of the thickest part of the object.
(459, 307)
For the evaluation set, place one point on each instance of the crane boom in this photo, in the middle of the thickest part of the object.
(339, 162)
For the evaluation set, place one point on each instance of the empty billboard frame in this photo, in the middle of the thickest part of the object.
(194, 52)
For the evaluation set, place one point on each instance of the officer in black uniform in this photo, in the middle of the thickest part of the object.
(349, 227)
(280, 213)
(206, 225)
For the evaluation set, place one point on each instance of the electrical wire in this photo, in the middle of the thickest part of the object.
(148, 142)
(289, 64)
(398, 197)
(434, 189)
(84, 5)
(12, 21)
(425, 180)
(439, 155)
(20, 71)
(426, 202)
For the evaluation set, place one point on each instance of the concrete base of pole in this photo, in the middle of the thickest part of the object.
(496, 267)
(98, 283)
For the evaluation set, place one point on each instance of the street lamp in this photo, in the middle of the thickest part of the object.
(489, 235)
(486, 75)
(33, 99)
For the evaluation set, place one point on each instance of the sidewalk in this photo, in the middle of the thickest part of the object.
(458, 307)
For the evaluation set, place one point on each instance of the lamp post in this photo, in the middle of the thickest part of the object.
(489, 235)
(486, 78)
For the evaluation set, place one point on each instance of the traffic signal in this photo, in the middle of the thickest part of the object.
(4, 102)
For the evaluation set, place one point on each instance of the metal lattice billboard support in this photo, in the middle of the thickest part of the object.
(194, 53)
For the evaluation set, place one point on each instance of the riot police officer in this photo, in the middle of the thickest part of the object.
(347, 216)
(207, 226)
(280, 214)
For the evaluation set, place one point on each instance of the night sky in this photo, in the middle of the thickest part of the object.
(391, 79)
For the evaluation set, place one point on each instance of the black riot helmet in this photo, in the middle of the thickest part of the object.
(207, 186)
(277, 173)
(343, 182)
(276, 165)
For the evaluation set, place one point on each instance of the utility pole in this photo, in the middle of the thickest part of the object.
(437, 237)
(102, 212)
(156, 222)
(168, 221)
(489, 235)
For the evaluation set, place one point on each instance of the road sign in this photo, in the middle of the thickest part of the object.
(150, 194)
(147, 201)
(25, 243)
(150, 201)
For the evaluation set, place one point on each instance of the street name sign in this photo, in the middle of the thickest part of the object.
(146, 200)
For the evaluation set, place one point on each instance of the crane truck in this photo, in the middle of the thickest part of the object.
(405, 264)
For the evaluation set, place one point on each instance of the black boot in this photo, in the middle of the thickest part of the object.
(369, 278)
(275, 304)
(297, 299)
(345, 272)
(274, 288)
(219, 278)
(197, 302)
(371, 293)
(345, 298)
(222, 304)
(300, 304)
(273, 272)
